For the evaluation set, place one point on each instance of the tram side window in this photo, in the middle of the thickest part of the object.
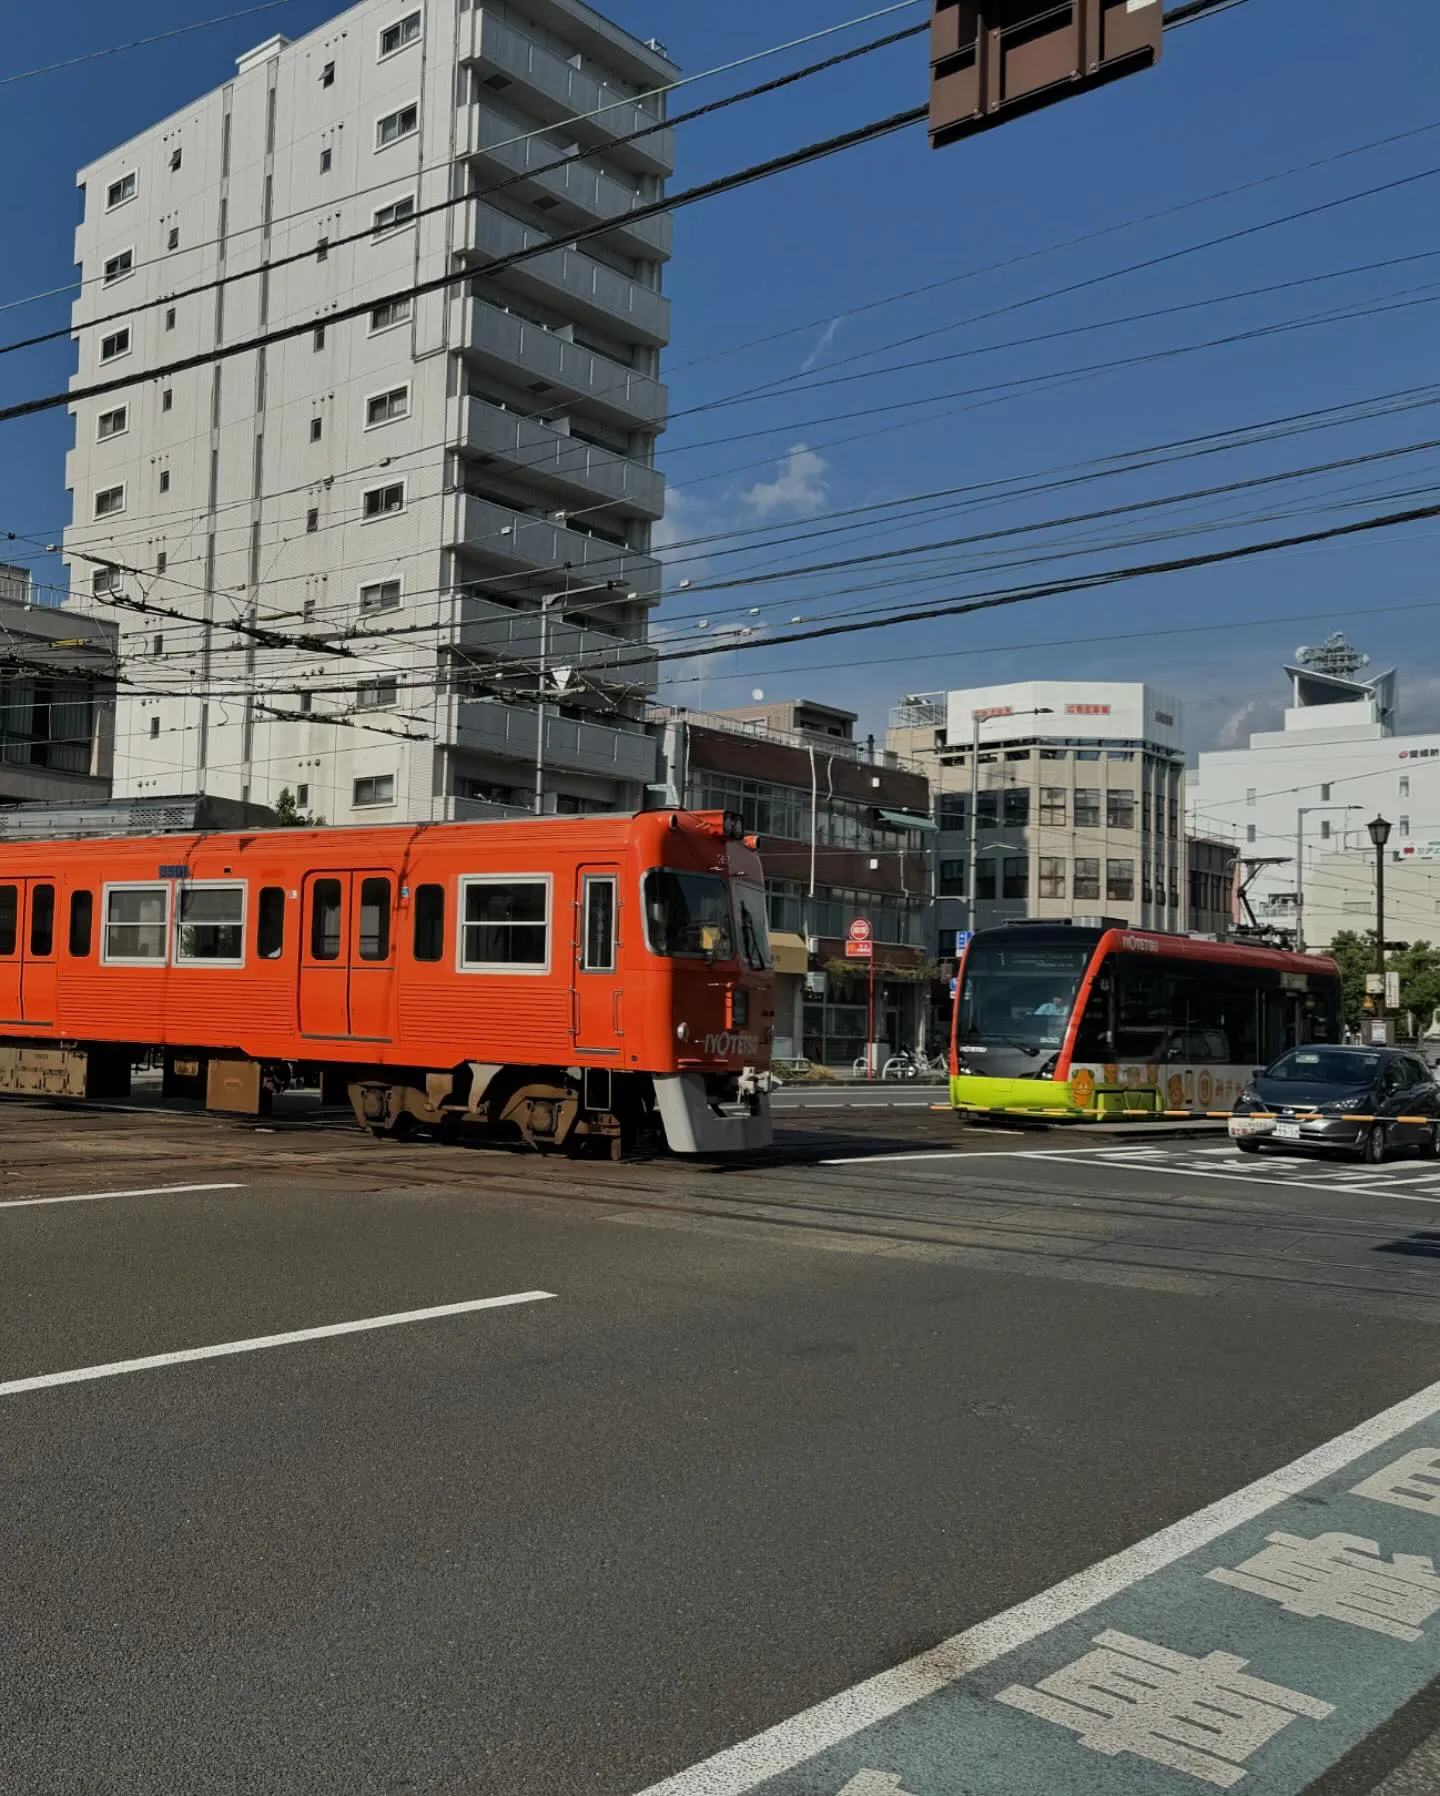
(430, 923)
(375, 919)
(270, 923)
(505, 923)
(9, 918)
(325, 920)
(42, 921)
(82, 924)
(136, 919)
(210, 926)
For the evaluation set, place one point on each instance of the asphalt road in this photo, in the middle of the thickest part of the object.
(774, 1430)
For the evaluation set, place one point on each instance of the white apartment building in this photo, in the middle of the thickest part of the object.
(1310, 788)
(442, 508)
(1076, 801)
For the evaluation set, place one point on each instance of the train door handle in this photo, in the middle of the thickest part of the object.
(615, 1014)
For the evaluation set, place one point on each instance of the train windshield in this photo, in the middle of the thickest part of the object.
(1019, 995)
(752, 927)
(689, 914)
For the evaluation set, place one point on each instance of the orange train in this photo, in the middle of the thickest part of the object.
(573, 981)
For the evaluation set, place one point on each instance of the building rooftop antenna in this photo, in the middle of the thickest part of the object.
(1336, 656)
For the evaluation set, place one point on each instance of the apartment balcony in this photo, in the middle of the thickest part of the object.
(576, 472)
(515, 542)
(488, 727)
(579, 192)
(486, 628)
(555, 89)
(565, 278)
(556, 369)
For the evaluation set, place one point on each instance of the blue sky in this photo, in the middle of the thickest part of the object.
(1238, 99)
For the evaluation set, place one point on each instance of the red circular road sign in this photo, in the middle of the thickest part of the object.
(860, 930)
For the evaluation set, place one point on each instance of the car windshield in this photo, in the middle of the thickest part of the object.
(752, 927)
(1019, 996)
(689, 914)
(1324, 1066)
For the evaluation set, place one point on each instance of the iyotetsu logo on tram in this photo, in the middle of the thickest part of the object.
(1140, 944)
(728, 1043)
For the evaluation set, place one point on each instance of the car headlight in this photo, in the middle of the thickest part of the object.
(1345, 1104)
(1248, 1099)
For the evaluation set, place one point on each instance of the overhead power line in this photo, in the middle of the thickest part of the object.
(140, 43)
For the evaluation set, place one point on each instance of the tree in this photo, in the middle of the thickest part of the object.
(1355, 956)
(1418, 966)
(1419, 970)
(291, 816)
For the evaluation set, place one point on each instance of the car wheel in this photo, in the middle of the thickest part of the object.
(1372, 1145)
(1248, 1147)
(1430, 1146)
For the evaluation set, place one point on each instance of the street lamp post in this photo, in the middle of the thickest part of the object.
(1380, 834)
(976, 719)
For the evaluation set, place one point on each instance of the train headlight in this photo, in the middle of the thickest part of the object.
(682, 1032)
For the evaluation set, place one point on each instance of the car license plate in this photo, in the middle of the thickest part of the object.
(1287, 1131)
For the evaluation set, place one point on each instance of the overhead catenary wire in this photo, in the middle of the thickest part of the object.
(139, 43)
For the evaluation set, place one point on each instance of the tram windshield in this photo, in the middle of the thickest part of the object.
(1019, 994)
(689, 914)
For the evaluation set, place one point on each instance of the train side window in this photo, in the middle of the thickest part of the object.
(505, 925)
(270, 925)
(137, 920)
(430, 923)
(9, 918)
(375, 919)
(82, 924)
(42, 922)
(325, 920)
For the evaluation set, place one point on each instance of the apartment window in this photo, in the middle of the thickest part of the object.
(952, 879)
(119, 192)
(377, 695)
(1087, 878)
(505, 924)
(379, 595)
(1120, 809)
(952, 811)
(327, 158)
(307, 612)
(394, 311)
(318, 341)
(1249, 832)
(987, 809)
(112, 424)
(1015, 809)
(396, 125)
(402, 32)
(82, 924)
(1249, 795)
(175, 160)
(306, 702)
(1404, 826)
(167, 399)
(302, 796)
(137, 920)
(103, 580)
(170, 318)
(1324, 829)
(116, 344)
(375, 788)
(164, 480)
(210, 925)
(154, 728)
(312, 521)
(172, 237)
(429, 944)
(317, 429)
(1324, 795)
(1404, 785)
(119, 267)
(375, 905)
(1087, 807)
(270, 923)
(1016, 878)
(390, 218)
(381, 501)
(985, 878)
(384, 408)
(1120, 880)
(1052, 877)
(1053, 806)
(327, 75)
(322, 250)
(109, 500)
(157, 647)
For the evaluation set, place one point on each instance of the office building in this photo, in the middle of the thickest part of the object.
(57, 699)
(1065, 792)
(432, 512)
(841, 827)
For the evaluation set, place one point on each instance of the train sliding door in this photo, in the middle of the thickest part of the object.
(347, 957)
(27, 952)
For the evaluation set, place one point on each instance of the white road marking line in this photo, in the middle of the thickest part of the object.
(95, 1197)
(83, 1374)
(781, 1748)
(949, 1153)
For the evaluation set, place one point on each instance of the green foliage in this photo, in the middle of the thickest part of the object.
(1355, 956)
(1418, 967)
(291, 816)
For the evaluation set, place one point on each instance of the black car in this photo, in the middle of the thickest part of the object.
(1358, 1100)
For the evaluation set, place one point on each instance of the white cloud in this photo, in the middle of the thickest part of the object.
(827, 337)
(800, 488)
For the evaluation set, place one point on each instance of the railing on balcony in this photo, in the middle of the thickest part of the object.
(486, 628)
(489, 727)
(577, 469)
(516, 345)
(515, 540)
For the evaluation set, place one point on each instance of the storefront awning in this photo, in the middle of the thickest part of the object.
(789, 953)
(906, 820)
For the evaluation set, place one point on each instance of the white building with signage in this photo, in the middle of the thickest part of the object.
(1068, 793)
(1300, 797)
